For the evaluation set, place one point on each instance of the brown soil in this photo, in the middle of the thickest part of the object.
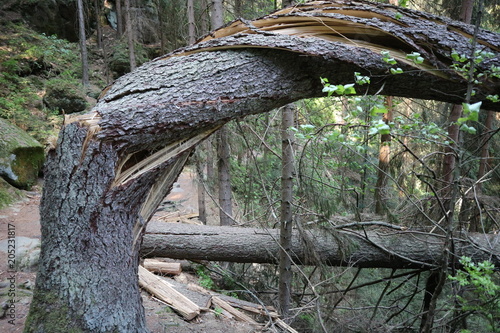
(24, 217)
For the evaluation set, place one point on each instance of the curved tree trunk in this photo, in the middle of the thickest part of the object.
(113, 166)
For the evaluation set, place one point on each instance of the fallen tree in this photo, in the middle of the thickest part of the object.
(382, 247)
(112, 167)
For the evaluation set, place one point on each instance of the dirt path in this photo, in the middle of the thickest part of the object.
(23, 220)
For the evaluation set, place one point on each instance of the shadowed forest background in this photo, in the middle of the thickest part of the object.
(374, 164)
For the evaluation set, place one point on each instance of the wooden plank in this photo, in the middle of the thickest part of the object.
(216, 301)
(158, 266)
(165, 292)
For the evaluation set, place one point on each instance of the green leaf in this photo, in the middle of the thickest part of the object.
(468, 129)
(396, 70)
(493, 98)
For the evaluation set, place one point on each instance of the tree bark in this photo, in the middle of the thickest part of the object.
(130, 36)
(381, 248)
(217, 14)
(113, 166)
(191, 23)
(383, 162)
(119, 18)
(224, 178)
(286, 216)
(83, 45)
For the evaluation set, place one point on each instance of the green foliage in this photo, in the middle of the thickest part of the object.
(340, 89)
(471, 112)
(361, 79)
(27, 60)
(205, 280)
(484, 292)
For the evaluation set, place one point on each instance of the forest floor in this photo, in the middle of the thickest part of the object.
(24, 216)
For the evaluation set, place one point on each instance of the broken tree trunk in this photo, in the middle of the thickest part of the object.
(112, 167)
(383, 248)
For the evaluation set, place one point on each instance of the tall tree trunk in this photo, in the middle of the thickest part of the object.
(450, 176)
(130, 36)
(205, 18)
(383, 163)
(161, 25)
(217, 14)
(225, 193)
(286, 218)
(119, 18)
(237, 8)
(202, 207)
(223, 156)
(98, 11)
(83, 44)
(485, 148)
(191, 23)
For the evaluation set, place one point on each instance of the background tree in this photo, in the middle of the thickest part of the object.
(83, 44)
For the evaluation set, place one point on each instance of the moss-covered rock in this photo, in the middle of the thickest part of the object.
(65, 96)
(8, 194)
(21, 156)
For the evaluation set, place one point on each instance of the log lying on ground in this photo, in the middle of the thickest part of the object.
(382, 248)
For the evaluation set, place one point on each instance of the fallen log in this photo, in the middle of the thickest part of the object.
(382, 248)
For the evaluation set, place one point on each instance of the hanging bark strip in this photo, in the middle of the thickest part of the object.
(113, 166)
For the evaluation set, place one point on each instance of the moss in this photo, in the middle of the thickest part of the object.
(8, 194)
(48, 313)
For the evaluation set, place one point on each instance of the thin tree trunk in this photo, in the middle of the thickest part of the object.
(205, 17)
(451, 174)
(98, 8)
(485, 149)
(223, 156)
(383, 163)
(225, 201)
(217, 14)
(130, 36)
(287, 170)
(119, 18)
(191, 23)
(83, 44)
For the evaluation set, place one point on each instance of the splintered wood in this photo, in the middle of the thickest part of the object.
(231, 307)
(165, 292)
(158, 266)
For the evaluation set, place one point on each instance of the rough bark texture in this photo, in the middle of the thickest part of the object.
(377, 248)
(286, 216)
(113, 166)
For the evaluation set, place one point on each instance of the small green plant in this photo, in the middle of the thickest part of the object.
(415, 57)
(218, 311)
(361, 79)
(205, 279)
(471, 112)
(484, 294)
(340, 89)
(386, 57)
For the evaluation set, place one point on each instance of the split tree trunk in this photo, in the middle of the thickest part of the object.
(380, 248)
(113, 166)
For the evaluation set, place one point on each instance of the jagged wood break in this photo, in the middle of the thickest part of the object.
(112, 167)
